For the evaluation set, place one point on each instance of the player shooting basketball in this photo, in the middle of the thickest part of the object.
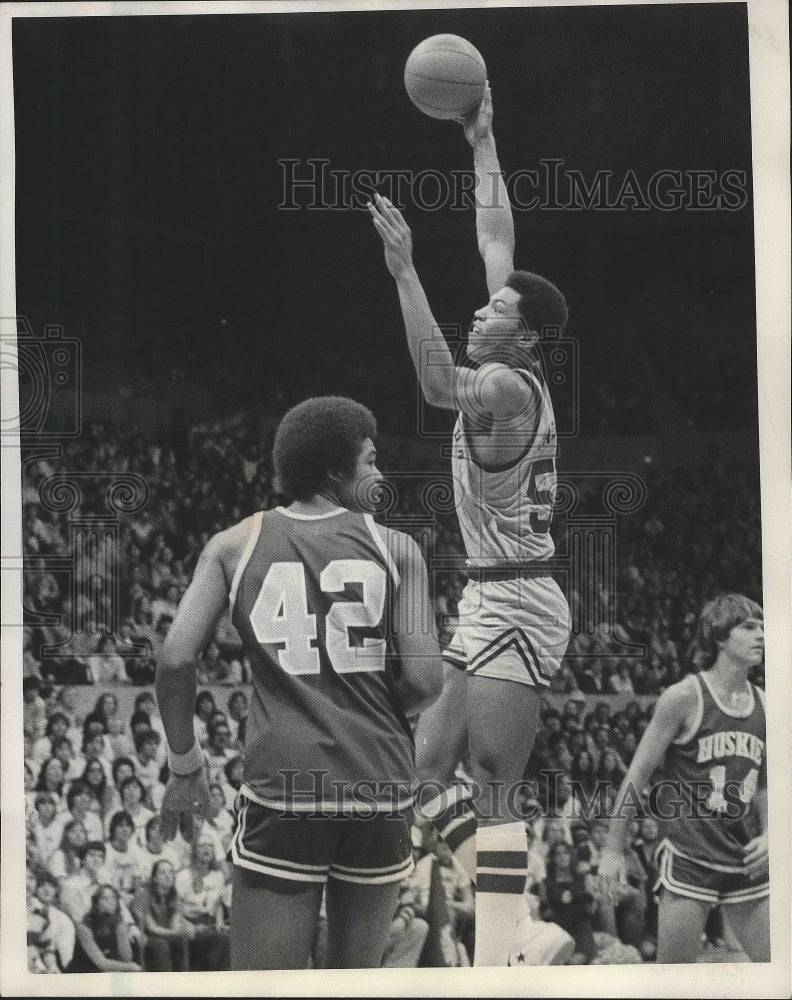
(514, 621)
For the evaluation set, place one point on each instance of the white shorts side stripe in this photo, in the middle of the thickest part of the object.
(404, 871)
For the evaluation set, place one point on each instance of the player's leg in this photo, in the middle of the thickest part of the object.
(441, 733)
(440, 743)
(371, 857)
(503, 717)
(358, 923)
(273, 921)
(281, 863)
(750, 924)
(680, 924)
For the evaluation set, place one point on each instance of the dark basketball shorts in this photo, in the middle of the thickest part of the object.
(302, 847)
(709, 883)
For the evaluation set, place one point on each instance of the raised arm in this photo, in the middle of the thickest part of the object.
(494, 222)
(492, 389)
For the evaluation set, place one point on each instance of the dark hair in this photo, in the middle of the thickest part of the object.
(94, 720)
(150, 824)
(214, 725)
(45, 878)
(144, 736)
(236, 696)
(78, 787)
(98, 790)
(716, 621)
(143, 696)
(102, 925)
(132, 780)
(541, 304)
(585, 780)
(120, 818)
(118, 764)
(58, 742)
(42, 776)
(98, 709)
(70, 852)
(94, 845)
(170, 897)
(319, 436)
(229, 767)
(203, 696)
(139, 715)
(55, 717)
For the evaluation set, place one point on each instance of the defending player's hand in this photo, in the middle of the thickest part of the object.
(395, 234)
(757, 864)
(478, 124)
(185, 795)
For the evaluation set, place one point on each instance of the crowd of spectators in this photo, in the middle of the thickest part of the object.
(694, 535)
(105, 892)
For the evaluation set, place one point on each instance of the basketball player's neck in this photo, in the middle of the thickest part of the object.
(319, 503)
(729, 676)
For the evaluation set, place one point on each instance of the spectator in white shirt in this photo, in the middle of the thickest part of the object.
(156, 849)
(65, 860)
(105, 666)
(46, 825)
(123, 862)
(83, 805)
(60, 932)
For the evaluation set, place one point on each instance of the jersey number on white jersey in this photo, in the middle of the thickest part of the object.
(281, 616)
(541, 491)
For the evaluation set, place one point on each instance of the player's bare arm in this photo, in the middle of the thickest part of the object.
(492, 389)
(672, 714)
(413, 626)
(494, 222)
(176, 686)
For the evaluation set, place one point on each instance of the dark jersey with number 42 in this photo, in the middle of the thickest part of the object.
(311, 600)
(712, 779)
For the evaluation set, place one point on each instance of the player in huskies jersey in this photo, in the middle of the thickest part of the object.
(325, 601)
(514, 622)
(708, 731)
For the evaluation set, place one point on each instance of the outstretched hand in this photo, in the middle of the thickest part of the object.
(185, 795)
(478, 124)
(395, 234)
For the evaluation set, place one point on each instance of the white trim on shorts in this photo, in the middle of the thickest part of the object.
(247, 552)
(514, 639)
(666, 880)
(330, 808)
(277, 867)
(374, 876)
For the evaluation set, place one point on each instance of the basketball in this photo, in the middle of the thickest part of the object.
(445, 76)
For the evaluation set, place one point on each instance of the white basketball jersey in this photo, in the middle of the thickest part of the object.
(505, 510)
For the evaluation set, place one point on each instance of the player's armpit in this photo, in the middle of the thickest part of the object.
(496, 391)
(671, 716)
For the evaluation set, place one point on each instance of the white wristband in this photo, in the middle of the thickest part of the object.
(186, 763)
